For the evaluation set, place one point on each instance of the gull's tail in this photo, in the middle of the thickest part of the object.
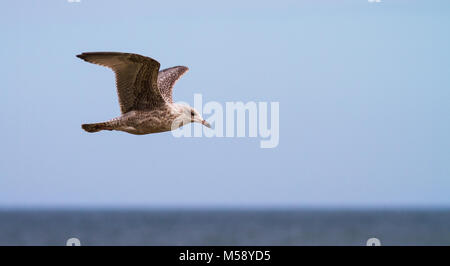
(96, 127)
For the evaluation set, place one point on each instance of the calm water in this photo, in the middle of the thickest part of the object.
(287, 227)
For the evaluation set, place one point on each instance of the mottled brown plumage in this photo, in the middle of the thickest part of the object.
(145, 95)
(167, 79)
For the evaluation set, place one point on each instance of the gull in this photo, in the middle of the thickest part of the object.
(145, 95)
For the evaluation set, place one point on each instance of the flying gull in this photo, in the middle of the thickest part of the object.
(145, 95)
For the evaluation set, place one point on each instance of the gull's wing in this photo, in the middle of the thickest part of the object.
(167, 79)
(136, 78)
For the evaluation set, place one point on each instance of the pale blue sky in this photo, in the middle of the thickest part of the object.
(364, 92)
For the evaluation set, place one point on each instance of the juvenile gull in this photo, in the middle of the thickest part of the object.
(145, 95)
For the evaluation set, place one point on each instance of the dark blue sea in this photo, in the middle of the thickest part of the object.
(224, 227)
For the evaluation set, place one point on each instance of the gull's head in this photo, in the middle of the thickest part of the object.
(190, 115)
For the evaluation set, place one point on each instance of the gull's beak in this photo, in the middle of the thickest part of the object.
(206, 124)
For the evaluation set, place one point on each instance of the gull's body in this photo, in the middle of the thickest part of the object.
(145, 95)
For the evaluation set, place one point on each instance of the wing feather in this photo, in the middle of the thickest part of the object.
(167, 79)
(136, 78)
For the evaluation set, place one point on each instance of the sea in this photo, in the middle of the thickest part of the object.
(224, 227)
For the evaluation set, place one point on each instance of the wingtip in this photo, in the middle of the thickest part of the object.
(185, 68)
(81, 56)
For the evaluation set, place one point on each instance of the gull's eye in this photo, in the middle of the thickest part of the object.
(192, 113)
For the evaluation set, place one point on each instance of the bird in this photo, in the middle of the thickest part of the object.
(145, 95)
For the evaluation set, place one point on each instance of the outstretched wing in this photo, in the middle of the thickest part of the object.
(167, 79)
(136, 78)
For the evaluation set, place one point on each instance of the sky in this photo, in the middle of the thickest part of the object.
(363, 91)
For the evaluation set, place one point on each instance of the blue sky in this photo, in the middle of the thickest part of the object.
(364, 93)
